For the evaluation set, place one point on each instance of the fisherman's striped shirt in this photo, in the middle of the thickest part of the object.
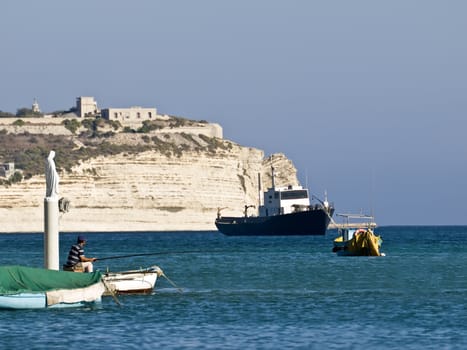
(74, 256)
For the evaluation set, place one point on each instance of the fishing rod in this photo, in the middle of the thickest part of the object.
(157, 253)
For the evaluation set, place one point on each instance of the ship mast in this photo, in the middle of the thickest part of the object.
(272, 174)
(259, 190)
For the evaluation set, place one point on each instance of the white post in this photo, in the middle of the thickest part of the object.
(51, 242)
(51, 213)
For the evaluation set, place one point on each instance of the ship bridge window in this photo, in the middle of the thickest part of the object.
(297, 194)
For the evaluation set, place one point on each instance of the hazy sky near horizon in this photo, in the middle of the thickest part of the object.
(367, 98)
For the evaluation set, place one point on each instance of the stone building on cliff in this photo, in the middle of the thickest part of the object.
(7, 169)
(86, 106)
(132, 114)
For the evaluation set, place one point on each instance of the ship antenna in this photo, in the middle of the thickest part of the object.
(326, 203)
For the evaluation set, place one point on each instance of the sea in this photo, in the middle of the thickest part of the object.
(280, 292)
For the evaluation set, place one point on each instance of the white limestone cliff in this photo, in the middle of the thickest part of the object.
(149, 191)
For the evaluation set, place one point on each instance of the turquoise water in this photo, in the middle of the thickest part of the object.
(259, 293)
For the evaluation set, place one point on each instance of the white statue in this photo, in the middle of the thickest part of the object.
(51, 176)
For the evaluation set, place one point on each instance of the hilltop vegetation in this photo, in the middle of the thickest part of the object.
(21, 113)
(95, 137)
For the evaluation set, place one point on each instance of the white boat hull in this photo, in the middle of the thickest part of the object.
(132, 282)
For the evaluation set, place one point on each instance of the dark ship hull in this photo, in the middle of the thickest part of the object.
(310, 222)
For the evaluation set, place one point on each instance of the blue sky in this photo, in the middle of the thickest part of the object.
(367, 98)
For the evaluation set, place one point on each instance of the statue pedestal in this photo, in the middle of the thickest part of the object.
(51, 242)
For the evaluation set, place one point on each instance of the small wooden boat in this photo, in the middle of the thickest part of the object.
(36, 288)
(357, 239)
(140, 281)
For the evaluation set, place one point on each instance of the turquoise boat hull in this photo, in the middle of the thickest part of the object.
(36, 301)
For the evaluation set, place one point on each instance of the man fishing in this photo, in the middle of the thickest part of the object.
(76, 260)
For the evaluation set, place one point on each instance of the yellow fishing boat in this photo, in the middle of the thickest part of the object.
(357, 238)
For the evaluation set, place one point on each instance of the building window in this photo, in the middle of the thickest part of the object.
(138, 115)
(149, 114)
(116, 115)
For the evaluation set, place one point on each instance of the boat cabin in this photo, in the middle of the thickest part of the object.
(284, 200)
(353, 223)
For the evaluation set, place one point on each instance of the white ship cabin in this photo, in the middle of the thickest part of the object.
(284, 200)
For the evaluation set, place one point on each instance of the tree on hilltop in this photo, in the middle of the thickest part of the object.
(27, 112)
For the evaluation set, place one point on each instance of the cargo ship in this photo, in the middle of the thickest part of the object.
(285, 211)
